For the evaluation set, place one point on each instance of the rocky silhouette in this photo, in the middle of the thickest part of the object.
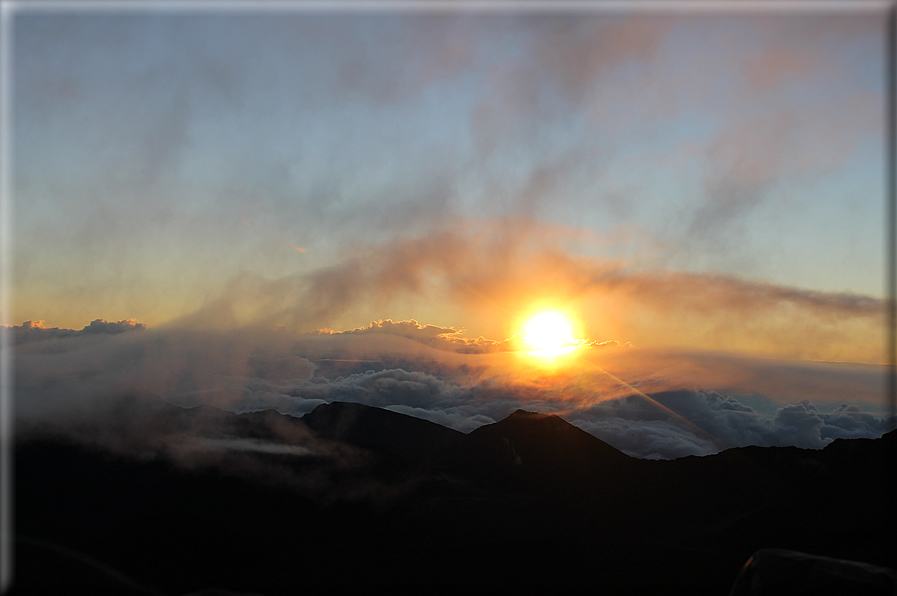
(151, 498)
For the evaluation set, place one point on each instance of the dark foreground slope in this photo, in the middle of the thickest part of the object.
(185, 500)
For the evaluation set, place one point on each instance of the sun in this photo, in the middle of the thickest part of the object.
(549, 331)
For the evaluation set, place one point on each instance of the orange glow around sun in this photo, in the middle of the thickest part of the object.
(549, 333)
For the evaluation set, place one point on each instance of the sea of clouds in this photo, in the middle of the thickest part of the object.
(648, 404)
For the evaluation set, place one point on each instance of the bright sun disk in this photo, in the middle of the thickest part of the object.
(548, 331)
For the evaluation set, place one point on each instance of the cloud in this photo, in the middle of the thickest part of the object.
(636, 426)
(559, 63)
(748, 159)
(101, 326)
(383, 388)
(250, 446)
(335, 188)
(776, 64)
(441, 338)
(497, 272)
(387, 250)
(66, 370)
(30, 331)
(784, 55)
(639, 400)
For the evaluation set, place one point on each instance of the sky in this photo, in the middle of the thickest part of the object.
(279, 208)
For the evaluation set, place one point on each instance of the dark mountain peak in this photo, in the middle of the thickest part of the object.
(541, 452)
(539, 423)
(205, 410)
(527, 415)
(342, 406)
(368, 426)
(337, 420)
(547, 433)
(139, 403)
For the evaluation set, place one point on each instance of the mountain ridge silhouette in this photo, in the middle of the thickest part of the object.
(235, 500)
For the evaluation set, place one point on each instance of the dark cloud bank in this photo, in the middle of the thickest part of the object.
(425, 371)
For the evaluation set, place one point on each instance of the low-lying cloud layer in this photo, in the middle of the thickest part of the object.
(36, 330)
(441, 338)
(647, 403)
(699, 422)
